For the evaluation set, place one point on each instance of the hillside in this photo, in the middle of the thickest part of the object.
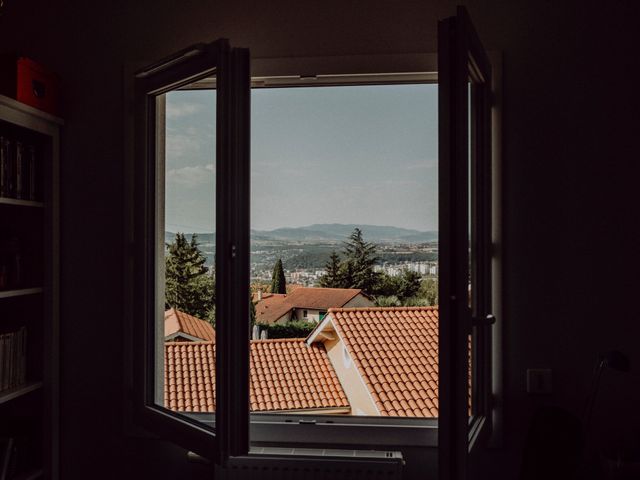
(331, 232)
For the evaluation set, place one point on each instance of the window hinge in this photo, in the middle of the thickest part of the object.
(483, 321)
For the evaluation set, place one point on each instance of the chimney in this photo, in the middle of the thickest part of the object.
(255, 334)
(259, 294)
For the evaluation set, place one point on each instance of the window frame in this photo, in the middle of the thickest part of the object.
(230, 66)
(466, 255)
(279, 430)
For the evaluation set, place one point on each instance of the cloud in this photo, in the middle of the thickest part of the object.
(191, 176)
(422, 165)
(178, 110)
(189, 143)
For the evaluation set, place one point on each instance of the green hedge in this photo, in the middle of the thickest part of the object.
(296, 329)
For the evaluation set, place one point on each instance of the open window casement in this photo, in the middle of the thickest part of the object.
(155, 361)
(464, 262)
(464, 80)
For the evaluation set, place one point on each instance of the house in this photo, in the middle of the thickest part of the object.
(307, 303)
(386, 358)
(570, 191)
(375, 361)
(182, 327)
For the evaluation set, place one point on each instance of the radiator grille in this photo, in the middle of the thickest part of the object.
(321, 465)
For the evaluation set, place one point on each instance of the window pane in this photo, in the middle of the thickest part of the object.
(185, 310)
(344, 253)
(471, 234)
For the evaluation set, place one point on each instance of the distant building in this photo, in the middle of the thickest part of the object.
(306, 303)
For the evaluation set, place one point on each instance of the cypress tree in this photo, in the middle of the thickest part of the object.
(278, 281)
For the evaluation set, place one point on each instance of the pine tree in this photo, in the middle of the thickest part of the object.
(360, 260)
(409, 284)
(278, 281)
(332, 277)
(189, 286)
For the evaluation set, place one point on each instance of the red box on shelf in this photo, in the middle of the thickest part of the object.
(30, 83)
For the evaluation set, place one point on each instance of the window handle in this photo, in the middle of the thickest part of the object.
(484, 321)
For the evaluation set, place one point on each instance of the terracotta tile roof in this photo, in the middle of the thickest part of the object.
(286, 374)
(176, 322)
(396, 351)
(270, 309)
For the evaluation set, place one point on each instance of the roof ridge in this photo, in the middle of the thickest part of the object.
(274, 340)
(382, 309)
(203, 342)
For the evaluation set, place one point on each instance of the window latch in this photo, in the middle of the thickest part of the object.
(483, 321)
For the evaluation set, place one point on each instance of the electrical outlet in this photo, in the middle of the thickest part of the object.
(539, 381)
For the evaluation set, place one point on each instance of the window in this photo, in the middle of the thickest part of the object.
(154, 86)
(466, 240)
(214, 419)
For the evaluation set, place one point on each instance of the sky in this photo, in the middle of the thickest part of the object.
(349, 154)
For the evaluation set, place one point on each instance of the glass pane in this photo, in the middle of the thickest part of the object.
(477, 290)
(185, 310)
(344, 253)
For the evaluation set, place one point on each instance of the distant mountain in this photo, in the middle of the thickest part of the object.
(208, 238)
(329, 232)
(339, 232)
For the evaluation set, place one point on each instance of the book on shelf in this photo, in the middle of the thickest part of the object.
(13, 359)
(5, 167)
(11, 262)
(18, 169)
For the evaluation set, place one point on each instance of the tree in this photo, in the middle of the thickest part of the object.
(332, 277)
(408, 284)
(189, 286)
(252, 310)
(360, 258)
(278, 281)
(387, 285)
(429, 291)
(387, 301)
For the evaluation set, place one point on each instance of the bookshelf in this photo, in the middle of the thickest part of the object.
(29, 296)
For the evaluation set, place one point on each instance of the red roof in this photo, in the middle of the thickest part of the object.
(396, 352)
(273, 307)
(177, 322)
(286, 374)
(395, 349)
(268, 307)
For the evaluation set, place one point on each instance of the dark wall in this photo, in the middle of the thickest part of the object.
(570, 181)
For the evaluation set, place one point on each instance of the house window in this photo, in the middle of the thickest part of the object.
(374, 225)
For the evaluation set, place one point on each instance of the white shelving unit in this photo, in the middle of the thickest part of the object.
(31, 410)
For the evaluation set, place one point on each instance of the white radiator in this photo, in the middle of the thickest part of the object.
(313, 464)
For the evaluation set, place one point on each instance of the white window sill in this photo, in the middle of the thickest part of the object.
(359, 432)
